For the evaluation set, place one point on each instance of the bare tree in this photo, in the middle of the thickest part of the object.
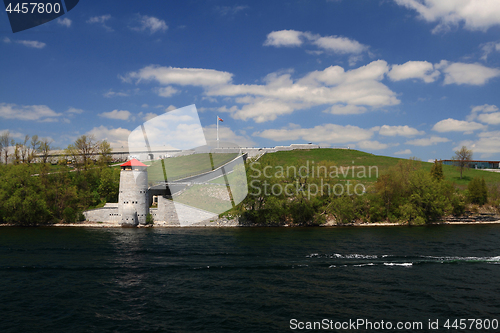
(34, 148)
(44, 148)
(85, 147)
(5, 142)
(104, 149)
(17, 152)
(462, 158)
(24, 149)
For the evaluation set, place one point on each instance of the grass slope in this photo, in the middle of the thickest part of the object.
(185, 166)
(349, 157)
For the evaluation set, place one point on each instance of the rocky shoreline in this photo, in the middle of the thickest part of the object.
(224, 222)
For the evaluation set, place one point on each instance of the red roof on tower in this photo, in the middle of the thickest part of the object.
(133, 162)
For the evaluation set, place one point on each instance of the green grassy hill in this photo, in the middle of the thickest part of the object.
(348, 158)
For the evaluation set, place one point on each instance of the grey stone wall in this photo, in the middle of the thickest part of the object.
(105, 214)
(165, 213)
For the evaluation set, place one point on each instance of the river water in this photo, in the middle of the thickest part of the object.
(246, 279)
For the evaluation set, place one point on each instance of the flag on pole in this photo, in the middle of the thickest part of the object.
(220, 119)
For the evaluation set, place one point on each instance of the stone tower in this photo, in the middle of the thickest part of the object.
(133, 203)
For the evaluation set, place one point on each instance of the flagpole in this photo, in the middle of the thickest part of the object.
(217, 121)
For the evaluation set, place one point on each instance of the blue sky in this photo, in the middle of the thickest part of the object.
(391, 77)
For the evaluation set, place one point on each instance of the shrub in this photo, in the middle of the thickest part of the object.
(437, 170)
(477, 192)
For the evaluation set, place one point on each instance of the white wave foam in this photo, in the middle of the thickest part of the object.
(404, 264)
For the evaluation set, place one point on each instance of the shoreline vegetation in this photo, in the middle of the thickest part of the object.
(235, 224)
(317, 187)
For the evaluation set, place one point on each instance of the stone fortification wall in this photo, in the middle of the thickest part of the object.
(108, 213)
(165, 212)
(257, 152)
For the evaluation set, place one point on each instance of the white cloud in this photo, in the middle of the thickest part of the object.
(12, 134)
(336, 44)
(180, 128)
(170, 108)
(346, 109)
(261, 110)
(288, 38)
(6, 40)
(461, 73)
(488, 143)
(167, 91)
(476, 14)
(350, 90)
(488, 114)
(150, 23)
(149, 116)
(414, 70)
(453, 125)
(74, 110)
(226, 134)
(116, 114)
(28, 112)
(116, 137)
(181, 76)
(427, 141)
(407, 131)
(490, 118)
(490, 134)
(341, 45)
(403, 152)
(230, 10)
(178, 117)
(112, 93)
(484, 108)
(281, 95)
(488, 48)
(101, 20)
(65, 21)
(328, 133)
(32, 43)
(372, 145)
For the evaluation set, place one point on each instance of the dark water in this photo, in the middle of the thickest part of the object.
(244, 280)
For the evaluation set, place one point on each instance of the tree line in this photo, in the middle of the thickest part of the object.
(84, 152)
(33, 192)
(25, 151)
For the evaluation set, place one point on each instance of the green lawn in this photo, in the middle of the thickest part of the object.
(349, 157)
(185, 166)
(452, 174)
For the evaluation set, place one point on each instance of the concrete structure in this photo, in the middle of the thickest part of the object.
(108, 213)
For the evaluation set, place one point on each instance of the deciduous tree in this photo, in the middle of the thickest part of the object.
(85, 147)
(5, 142)
(462, 158)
